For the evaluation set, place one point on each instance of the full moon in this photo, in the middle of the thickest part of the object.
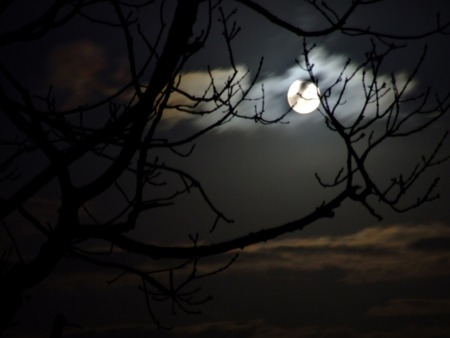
(303, 97)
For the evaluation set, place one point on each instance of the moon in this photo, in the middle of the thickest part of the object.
(303, 97)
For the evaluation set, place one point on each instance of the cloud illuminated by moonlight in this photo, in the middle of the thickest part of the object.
(191, 87)
(382, 253)
(327, 68)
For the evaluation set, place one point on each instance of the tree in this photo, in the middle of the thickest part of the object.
(120, 134)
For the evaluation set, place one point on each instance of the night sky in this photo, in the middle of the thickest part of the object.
(347, 276)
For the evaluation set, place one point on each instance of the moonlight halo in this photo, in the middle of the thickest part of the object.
(303, 97)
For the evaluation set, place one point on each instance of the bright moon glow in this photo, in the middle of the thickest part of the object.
(303, 97)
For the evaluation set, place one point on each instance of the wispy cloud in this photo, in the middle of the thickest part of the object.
(328, 69)
(375, 254)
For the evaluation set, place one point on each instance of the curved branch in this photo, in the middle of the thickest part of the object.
(158, 252)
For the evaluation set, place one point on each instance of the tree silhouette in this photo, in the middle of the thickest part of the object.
(120, 135)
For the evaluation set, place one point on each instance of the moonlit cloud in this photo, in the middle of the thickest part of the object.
(191, 87)
(327, 69)
(371, 255)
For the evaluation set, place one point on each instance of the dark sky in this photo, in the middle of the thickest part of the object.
(348, 276)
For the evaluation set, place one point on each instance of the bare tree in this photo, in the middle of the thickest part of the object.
(121, 133)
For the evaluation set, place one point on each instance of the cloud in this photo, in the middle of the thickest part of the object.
(198, 93)
(371, 255)
(327, 69)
